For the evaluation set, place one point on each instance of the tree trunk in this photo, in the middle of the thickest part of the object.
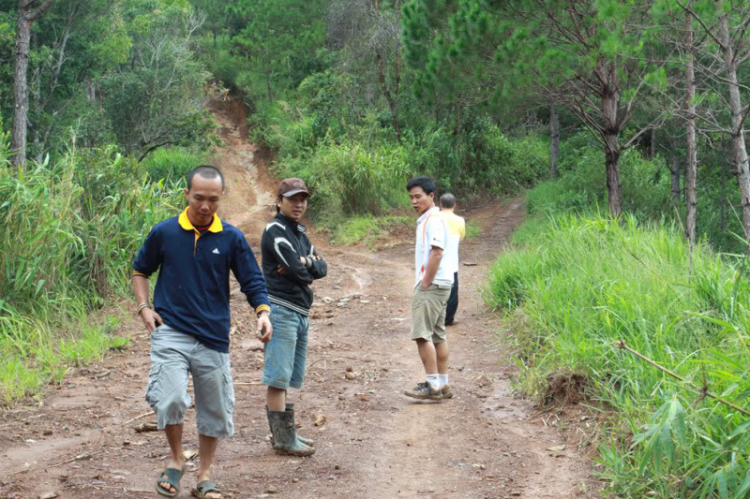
(554, 146)
(20, 87)
(674, 169)
(692, 156)
(26, 17)
(735, 103)
(392, 103)
(614, 191)
(37, 103)
(610, 131)
(723, 201)
(268, 77)
(90, 90)
(41, 106)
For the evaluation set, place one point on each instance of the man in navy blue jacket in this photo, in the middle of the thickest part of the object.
(189, 322)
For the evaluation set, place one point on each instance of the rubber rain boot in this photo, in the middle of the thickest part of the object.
(306, 441)
(285, 435)
(290, 408)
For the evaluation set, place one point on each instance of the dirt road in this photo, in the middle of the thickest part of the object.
(372, 441)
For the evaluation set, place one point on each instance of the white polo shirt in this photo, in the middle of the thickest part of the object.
(432, 230)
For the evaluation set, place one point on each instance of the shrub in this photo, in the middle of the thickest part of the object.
(173, 164)
(583, 183)
(68, 235)
(72, 229)
(321, 127)
(367, 228)
(350, 179)
(484, 160)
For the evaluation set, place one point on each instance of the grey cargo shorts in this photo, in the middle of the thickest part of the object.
(174, 355)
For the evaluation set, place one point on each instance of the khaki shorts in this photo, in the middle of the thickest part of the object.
(428, 313)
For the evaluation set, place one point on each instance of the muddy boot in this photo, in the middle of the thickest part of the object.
(285, 435)
(290, 408)
(307, 441)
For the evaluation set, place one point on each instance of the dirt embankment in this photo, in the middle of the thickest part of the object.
(372, 441)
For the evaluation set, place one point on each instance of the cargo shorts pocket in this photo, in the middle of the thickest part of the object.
(154, 389)
(228, 390)
(418, 296)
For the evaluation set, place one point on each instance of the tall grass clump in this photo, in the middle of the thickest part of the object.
(68, 234)
(586, 283)
(173, 164)
(367, 229)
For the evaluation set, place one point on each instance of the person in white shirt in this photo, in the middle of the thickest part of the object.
(433, 282)
(456, 233)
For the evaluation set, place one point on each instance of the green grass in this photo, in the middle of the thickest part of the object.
(90, 343)
(18, 379)
(173, 164)
(585, 283)
(367, 229)
(472, 229)
(34, 352)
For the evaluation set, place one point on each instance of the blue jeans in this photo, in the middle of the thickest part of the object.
(286, 354)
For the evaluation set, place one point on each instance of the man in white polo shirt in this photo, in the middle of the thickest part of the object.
(433, 282)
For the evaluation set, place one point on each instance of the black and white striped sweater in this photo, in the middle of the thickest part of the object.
(283, 243)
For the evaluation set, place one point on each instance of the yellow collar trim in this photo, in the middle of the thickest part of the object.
(216, 225)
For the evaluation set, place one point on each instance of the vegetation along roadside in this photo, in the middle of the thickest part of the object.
(577, 288)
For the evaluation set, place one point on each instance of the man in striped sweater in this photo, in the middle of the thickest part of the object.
(290, 265)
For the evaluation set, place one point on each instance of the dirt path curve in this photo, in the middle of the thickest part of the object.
(372, 441)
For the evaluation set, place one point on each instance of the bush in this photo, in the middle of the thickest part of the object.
(68, 235)
(219, 59)
(646, 192)
(585, 284)
(173, 164)
(583, 183)
(70, 231)
(484, 160)
(367, 228)
(320, 131)
(350, 179)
